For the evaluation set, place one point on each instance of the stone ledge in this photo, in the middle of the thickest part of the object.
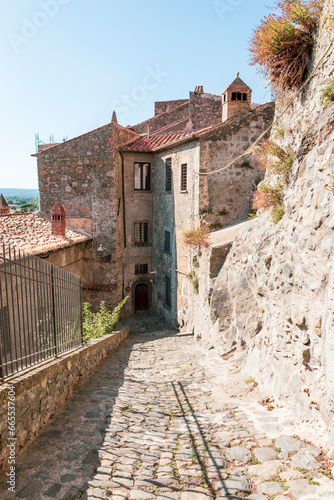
(41, 390)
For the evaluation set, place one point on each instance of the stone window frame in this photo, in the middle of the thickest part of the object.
(184, 178)
(142, 188)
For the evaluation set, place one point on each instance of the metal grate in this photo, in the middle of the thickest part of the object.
(184, 170)
(141, 269)
(168, 297)
(167, 242)
(141, 233)
(168, 175)
(40, 311)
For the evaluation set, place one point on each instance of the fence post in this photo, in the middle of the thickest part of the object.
(2, 336)
(54, 312)
(81, 314)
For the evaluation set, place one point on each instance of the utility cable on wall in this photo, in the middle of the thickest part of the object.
(249, 150)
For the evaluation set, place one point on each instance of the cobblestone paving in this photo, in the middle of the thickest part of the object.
(145, 427)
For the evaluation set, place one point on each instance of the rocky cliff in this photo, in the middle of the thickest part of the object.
(273, 300)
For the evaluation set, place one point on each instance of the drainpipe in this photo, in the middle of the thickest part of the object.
(124, 222)
(123, 196)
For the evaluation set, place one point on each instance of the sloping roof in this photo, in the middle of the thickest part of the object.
(33, 234)
(3, 202)
(150, 144)
(238, 83)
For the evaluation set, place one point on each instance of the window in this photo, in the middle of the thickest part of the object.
(141, 233)
(184, 170)
(142, 176)
(168, 175)
(168, 298)
(141, 269)
(245, 97)
(167, 242)
(236, 96)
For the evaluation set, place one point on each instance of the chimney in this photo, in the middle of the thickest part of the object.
(58, 220)
(199, 89)
(236, 99)
(114, 118)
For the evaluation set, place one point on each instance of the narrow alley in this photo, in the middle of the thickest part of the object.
(146, 426)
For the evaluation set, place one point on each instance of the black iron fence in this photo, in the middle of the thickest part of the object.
(40, 311)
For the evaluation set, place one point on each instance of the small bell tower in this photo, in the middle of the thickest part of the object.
(237, 99)
(4, 207)
(58, 220)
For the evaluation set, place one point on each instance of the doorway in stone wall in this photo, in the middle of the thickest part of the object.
(141, 298)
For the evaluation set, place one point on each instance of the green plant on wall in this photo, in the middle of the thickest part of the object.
(224, 212)
(102, 323)
(216, 225)
(327, 93)
(246, 165)
(196, 285)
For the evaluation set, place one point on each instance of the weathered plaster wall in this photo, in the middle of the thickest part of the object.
(138, 208)
(41, 391)
(175, 212)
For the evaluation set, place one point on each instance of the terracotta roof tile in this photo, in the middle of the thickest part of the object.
(33, 234)
(150, 144)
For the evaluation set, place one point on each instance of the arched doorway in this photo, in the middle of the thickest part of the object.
(141, 298)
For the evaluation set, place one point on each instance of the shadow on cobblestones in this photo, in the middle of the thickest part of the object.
(66, 453)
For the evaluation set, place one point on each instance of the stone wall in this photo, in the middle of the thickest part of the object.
(41, 391)
(273, 301)
(163, 119)
(82, 174)
(226, 195)
(205, 109)
(165, 106)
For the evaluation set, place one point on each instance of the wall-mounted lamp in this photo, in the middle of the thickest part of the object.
(100, 250)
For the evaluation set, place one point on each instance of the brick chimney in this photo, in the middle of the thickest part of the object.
(236, 99)
(58, 220)
(4, 207)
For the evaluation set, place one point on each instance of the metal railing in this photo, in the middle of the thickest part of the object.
(40, 311)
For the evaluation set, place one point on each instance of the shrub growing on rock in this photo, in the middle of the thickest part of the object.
(327, 93)
(282, 44)
(197, 237)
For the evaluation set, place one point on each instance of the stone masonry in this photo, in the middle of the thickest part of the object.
(150, 424)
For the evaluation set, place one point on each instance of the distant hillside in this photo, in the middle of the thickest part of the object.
(19, 193)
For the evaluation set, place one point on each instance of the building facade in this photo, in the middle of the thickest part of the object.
(137, 189)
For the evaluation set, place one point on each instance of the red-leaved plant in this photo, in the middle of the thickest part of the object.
(282, 44)
(197, 237)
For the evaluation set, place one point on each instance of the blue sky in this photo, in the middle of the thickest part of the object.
(67, 63)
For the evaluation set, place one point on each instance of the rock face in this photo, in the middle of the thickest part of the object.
(273, 300)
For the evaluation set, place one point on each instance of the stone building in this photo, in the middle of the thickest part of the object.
(137, 189)
(4, 207)
(35, 235)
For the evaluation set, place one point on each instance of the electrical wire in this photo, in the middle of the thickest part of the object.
(249, 150)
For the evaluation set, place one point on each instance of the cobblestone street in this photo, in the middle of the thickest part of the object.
(146, 426)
